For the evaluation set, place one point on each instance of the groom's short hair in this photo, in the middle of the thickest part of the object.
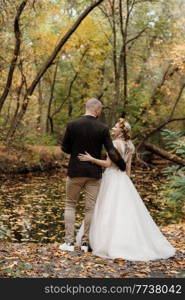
(93, 104)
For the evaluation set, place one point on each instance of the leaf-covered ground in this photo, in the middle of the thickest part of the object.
(47, 260)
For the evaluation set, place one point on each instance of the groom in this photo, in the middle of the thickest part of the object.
(85, 134)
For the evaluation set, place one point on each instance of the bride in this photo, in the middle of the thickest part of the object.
(121, 226)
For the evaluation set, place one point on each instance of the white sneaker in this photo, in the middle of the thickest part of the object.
(67, 247)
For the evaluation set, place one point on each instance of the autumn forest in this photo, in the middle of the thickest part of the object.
(54, 56)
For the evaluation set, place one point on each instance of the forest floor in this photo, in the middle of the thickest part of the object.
(47, 260)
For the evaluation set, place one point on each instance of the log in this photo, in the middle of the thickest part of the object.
(165, 154)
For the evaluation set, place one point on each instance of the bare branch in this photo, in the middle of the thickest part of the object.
(70, 86)
(137, 36)
(177, 101)
(154, 95)
(151, 131)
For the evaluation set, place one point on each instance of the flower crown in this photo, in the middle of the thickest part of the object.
(124, 123)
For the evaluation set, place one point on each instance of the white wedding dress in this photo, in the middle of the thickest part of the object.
(121, 226)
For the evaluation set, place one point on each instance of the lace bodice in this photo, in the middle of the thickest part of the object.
(126, 149)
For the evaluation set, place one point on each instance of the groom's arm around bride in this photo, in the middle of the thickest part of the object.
(88, 134)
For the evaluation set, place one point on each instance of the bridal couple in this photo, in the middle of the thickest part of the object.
(117, 224)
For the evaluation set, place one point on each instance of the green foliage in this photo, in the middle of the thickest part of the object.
(173, 196)
(175, 141)
(173, 192)
(45, 140)
(171, 136)
(23, 140)
(180, 147)
(4, 230)
(171, 171)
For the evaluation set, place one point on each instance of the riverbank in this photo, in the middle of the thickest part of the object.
(16, 159)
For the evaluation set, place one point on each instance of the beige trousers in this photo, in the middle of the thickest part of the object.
(73, 188)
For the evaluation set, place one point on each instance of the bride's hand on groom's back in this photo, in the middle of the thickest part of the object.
(85, 157)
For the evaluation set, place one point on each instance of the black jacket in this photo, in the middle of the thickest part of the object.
(88, 134)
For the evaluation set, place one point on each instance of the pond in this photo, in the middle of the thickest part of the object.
(32, 204)
(32, 207)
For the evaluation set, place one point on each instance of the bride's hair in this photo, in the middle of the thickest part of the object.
(126, 129)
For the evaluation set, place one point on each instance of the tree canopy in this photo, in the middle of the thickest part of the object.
(56, 54)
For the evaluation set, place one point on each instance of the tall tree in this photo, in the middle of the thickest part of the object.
(17, 33)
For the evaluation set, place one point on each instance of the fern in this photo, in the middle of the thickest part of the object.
(173, 192)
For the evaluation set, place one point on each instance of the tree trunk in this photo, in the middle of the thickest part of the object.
(40, 100)
(51, 97)
(17, 33)
(17, 120)
(123, 56)
(44, 115)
